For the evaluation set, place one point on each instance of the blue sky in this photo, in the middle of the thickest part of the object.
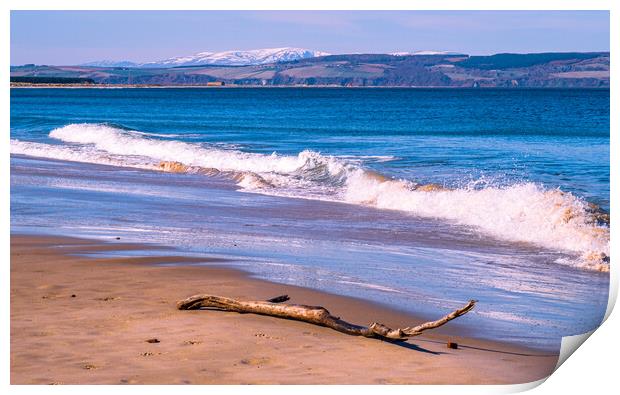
(73, 37)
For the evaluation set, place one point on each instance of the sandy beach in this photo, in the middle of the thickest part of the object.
(77, 320)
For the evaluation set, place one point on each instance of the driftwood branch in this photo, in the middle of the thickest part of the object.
(314, 315)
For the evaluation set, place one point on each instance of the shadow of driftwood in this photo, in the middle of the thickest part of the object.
(492, 350)
(412, 346)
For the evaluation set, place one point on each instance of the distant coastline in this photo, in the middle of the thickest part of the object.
(147, 86)
(542, 70)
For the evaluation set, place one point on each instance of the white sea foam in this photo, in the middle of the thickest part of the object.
(76, 154)
(123, 142)
(166, 136)
(524, 212)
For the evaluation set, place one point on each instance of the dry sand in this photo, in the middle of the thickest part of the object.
(77, 320)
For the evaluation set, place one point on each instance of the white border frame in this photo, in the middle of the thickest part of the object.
(593, 368)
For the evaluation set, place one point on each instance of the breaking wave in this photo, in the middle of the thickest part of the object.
(524, 212)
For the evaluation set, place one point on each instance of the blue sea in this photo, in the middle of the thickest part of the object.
(419, 199)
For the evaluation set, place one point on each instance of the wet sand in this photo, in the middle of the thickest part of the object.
(77, 320)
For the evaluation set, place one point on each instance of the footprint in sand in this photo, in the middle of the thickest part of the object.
(128, 381)
(255, 361)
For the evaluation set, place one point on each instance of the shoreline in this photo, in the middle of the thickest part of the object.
(230, 86)
(120, 303)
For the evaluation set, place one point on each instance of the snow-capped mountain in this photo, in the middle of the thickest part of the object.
(238, 58)
(111, 63)
(227, 58)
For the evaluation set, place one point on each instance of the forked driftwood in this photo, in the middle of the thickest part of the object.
(315, 315)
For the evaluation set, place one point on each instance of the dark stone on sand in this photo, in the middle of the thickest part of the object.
(153, 340)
